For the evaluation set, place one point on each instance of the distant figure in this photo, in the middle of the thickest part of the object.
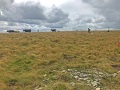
(88, 30)
(108, 30)
(53, 30)
(38, 30)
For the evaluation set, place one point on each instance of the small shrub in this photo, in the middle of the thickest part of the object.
(11, 82)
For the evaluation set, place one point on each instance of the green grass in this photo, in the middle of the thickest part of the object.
(34, 60)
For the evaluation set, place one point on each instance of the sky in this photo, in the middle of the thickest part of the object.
(59, 14)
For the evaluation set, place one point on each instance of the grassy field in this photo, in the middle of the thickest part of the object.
(60, 61)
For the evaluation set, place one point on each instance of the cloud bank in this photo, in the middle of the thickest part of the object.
(32, 14)
(109, 10)
(72, 15)
(5, 3)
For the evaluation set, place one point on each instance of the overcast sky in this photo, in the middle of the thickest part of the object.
(60, 14)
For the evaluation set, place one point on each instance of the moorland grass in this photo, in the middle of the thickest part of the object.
(34, 60)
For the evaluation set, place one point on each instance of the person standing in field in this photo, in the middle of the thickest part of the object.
(88, 30)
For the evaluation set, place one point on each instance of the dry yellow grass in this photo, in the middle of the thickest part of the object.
(26, 57)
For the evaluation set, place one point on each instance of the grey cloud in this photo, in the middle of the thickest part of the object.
(81, 14)
(77, 7)
(86, 20)
(56, 18)
(99, 20)
(5, 3)
(56, 15)
(31, 11)
(109, 9)
(34, 14)
(24, 12)
(12, 24)
(59, 24)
